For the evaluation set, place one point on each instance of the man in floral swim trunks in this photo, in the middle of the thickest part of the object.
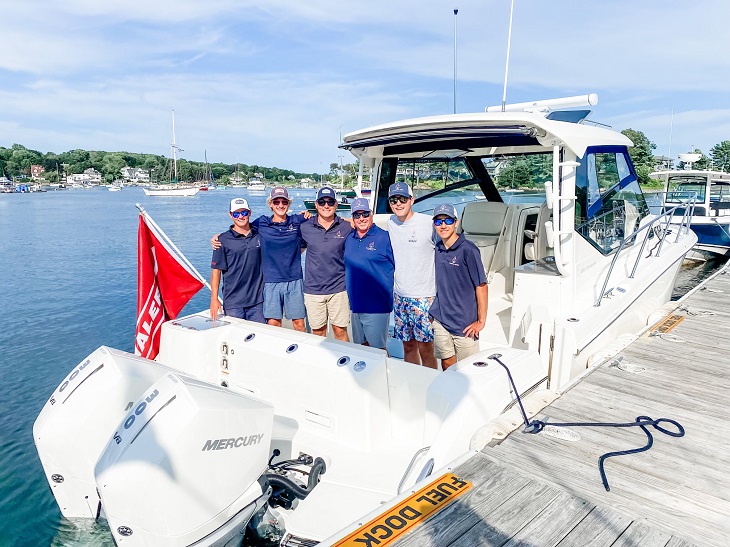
(412, 238)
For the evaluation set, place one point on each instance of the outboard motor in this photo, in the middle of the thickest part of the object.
(185, 466)
(75, 424)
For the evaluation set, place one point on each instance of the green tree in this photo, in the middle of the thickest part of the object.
(720, 154)
(642, 154)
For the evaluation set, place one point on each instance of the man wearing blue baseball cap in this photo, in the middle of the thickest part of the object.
(369, 269)
(412, 237)
(459, 310)
(238, 262)
(325, 297)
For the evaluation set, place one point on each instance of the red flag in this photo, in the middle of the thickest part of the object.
(164, 286)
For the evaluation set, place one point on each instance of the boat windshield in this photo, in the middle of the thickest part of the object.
(609, 201)
(464, 179)
(683, 187)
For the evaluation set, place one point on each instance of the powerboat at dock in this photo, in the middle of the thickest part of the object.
(709, 214)
(243, 427)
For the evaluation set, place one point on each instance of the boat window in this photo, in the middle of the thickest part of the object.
(433, 181)
(720, 191)
(520, 172)
(683, 187)
(609, 201)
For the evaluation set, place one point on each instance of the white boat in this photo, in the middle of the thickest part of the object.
(238, 422)
(172, 189)
(709, 215)
(114, 187)
(256, 185)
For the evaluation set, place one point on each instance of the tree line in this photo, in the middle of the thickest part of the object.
(16, 161)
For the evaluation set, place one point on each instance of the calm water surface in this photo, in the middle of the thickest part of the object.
(68, 266)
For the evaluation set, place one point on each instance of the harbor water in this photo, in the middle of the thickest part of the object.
(68, 261)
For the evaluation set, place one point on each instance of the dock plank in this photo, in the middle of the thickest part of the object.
(600, 528)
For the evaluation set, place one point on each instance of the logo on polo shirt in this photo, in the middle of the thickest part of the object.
(371, 246)
(413, 238)
(454, 261)
(291, 227)
(338, 235)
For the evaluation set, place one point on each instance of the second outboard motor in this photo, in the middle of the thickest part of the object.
(77, 420)
(185, 466)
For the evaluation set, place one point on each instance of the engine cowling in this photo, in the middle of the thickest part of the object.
(184, 465)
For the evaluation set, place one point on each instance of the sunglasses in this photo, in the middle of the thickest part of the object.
(398, 199)
(440, 221)
(361, 214)
(237, 214)
(280, 201)
(328, 202)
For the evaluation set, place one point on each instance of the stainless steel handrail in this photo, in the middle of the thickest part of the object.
(666, 218)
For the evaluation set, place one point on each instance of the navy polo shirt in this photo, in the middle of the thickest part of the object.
(324, 267)
(369, 270)
(459, 271)
(239, 260)
(281, 244)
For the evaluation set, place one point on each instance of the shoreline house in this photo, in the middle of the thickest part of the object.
(36, 171)
(135, 175)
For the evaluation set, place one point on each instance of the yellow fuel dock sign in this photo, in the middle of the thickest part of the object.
(410, 512)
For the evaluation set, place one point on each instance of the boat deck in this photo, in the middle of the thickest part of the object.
(540, 490)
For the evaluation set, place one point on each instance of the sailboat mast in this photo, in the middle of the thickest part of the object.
(174, 147)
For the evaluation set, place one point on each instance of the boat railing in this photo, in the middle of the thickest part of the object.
(658, 226)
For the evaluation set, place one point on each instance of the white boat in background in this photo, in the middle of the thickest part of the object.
(116, 187)
(256, 185)
(171, 190)
(709, 214)
(174, 188)
(239, 422)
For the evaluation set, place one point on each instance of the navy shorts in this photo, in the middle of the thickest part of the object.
(285, 298)
(252, 313)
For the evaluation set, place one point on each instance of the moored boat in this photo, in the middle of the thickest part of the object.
(238, 422)
(709, 214)
(171, 190)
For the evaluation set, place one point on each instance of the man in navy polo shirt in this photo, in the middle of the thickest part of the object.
(459, 310)
(238, 262)
(281, 245)
(369, 270)
(325, 296)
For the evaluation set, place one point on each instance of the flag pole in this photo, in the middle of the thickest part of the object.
(174, 247)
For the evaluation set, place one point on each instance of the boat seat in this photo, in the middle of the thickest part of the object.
(481, 223)
(540, 247)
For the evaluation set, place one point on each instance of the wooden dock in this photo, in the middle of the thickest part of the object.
(539, 490)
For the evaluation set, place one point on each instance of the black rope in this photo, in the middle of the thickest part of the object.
(536, 426)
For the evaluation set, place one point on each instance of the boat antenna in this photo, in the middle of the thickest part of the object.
(456, 12)
(671, 128)
(506, 65)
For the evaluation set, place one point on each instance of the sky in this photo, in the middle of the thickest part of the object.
(277, 82)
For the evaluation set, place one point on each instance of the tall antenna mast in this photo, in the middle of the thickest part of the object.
(456, 12)
(506, 66)
(174, 147)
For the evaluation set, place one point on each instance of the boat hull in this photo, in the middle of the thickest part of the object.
(171, 192)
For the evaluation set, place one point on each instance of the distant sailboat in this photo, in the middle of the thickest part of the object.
(172, 189)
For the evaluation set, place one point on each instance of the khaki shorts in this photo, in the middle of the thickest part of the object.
(321, 308)
(447, 345)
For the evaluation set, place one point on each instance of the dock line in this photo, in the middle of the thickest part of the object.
(536, 426)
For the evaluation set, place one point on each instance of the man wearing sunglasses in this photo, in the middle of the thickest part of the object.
(459, 310)
(412, 237)
(238, 262)
(369, 269)
(281, 245)
(325, 297)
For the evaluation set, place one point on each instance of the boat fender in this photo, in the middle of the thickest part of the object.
(286, 490)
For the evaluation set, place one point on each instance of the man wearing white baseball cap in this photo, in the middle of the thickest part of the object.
(238, 262)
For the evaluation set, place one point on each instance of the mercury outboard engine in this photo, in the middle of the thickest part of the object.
(76, 422)
(185, 466)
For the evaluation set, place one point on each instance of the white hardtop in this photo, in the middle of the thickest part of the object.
(577, 137)
(695, 174)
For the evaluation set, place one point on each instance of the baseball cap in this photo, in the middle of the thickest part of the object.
(360, 204)
(445, 209)
(400, 189)
(279, 192)
(326, 192)
(239, 203)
